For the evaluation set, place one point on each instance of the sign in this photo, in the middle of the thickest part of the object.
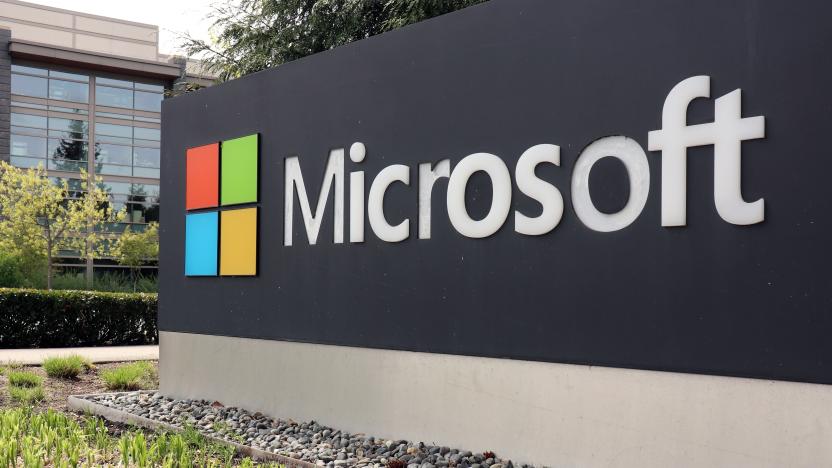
(581, 182)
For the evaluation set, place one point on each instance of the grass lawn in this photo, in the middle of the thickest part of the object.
(38, 430)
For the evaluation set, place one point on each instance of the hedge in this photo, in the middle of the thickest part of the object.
(32, 318)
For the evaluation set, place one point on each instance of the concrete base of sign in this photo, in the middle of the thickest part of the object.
(542, 413)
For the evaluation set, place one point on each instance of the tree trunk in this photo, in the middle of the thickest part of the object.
(89, 270)
(49, 265)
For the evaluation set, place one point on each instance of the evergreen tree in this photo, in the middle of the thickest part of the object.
(251, 35)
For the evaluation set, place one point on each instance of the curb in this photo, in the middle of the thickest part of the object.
(97, 355)
(80, 404)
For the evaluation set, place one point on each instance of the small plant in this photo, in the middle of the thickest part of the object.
(124, 447)
(488, 454)
(36, 439)
(25, 379)
(221, 427)
(96, 433)
(133, 376)
(66, 367)
(27, 395)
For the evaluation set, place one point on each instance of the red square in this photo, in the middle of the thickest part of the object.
(202, 184)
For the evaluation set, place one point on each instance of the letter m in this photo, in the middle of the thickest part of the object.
(294, 178)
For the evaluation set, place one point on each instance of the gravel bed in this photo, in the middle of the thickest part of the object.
(306, 441)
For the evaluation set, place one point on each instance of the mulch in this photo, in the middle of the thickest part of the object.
(58, 390)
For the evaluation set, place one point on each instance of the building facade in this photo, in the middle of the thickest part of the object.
(80, 91)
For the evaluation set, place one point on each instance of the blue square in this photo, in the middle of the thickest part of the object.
(201, 235)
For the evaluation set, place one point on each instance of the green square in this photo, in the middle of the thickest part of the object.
(238, 170)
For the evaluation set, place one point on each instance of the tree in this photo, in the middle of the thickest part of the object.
(251, 35)
(11, 271)
(37, 218)
(134, 249)
(71, 150)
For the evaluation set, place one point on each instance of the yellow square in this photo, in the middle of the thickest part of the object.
(238, 242)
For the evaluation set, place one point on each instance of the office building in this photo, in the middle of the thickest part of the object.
(80, 91)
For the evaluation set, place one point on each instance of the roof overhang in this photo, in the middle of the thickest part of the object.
(104, 62)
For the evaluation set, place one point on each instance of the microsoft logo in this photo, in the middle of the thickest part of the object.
(220, 232)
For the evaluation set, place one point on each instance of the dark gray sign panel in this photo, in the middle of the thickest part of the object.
(705, 262)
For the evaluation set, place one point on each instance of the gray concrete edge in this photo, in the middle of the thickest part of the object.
(96, 355)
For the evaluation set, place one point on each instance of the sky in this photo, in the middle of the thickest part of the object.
(172, 16)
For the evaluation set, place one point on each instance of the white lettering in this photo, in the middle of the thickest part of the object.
(375, 204)
(545, 193)
(629, 152)
(500, 200)
(334, 173)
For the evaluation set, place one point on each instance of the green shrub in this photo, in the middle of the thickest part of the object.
(65, 367)
(11, 274)
(59, 319)
(69, 281)
(27, 395)
(24, 379)
(133, 376)
(123, 283)
(108, 281)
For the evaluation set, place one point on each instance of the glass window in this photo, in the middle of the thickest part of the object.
(30, 70)
(22, 145)
(113, 97)
(149, 172)
(123, 131)
(67, 165)
(68, 110)
(110, 81)
(67, 150)
(148, 119)
(112, 139)
(148, 101)
(150, 87)
(112, 169)
(28, 131)
(68, 91)
(114, 116)
(17, 161)
(147, 133)
(114, 154)
(29, 86)
(151, 214)
(69, 76)
(74, 185)
(115, 188)
(68, 128)
(143, 212)
(28, 105)
(148, 190)
(27, 120)
(146, 157)
(147, 143)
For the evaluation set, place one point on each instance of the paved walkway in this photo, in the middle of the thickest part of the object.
(98, 354)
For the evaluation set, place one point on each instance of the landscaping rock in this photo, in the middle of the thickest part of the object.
(306, 441)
